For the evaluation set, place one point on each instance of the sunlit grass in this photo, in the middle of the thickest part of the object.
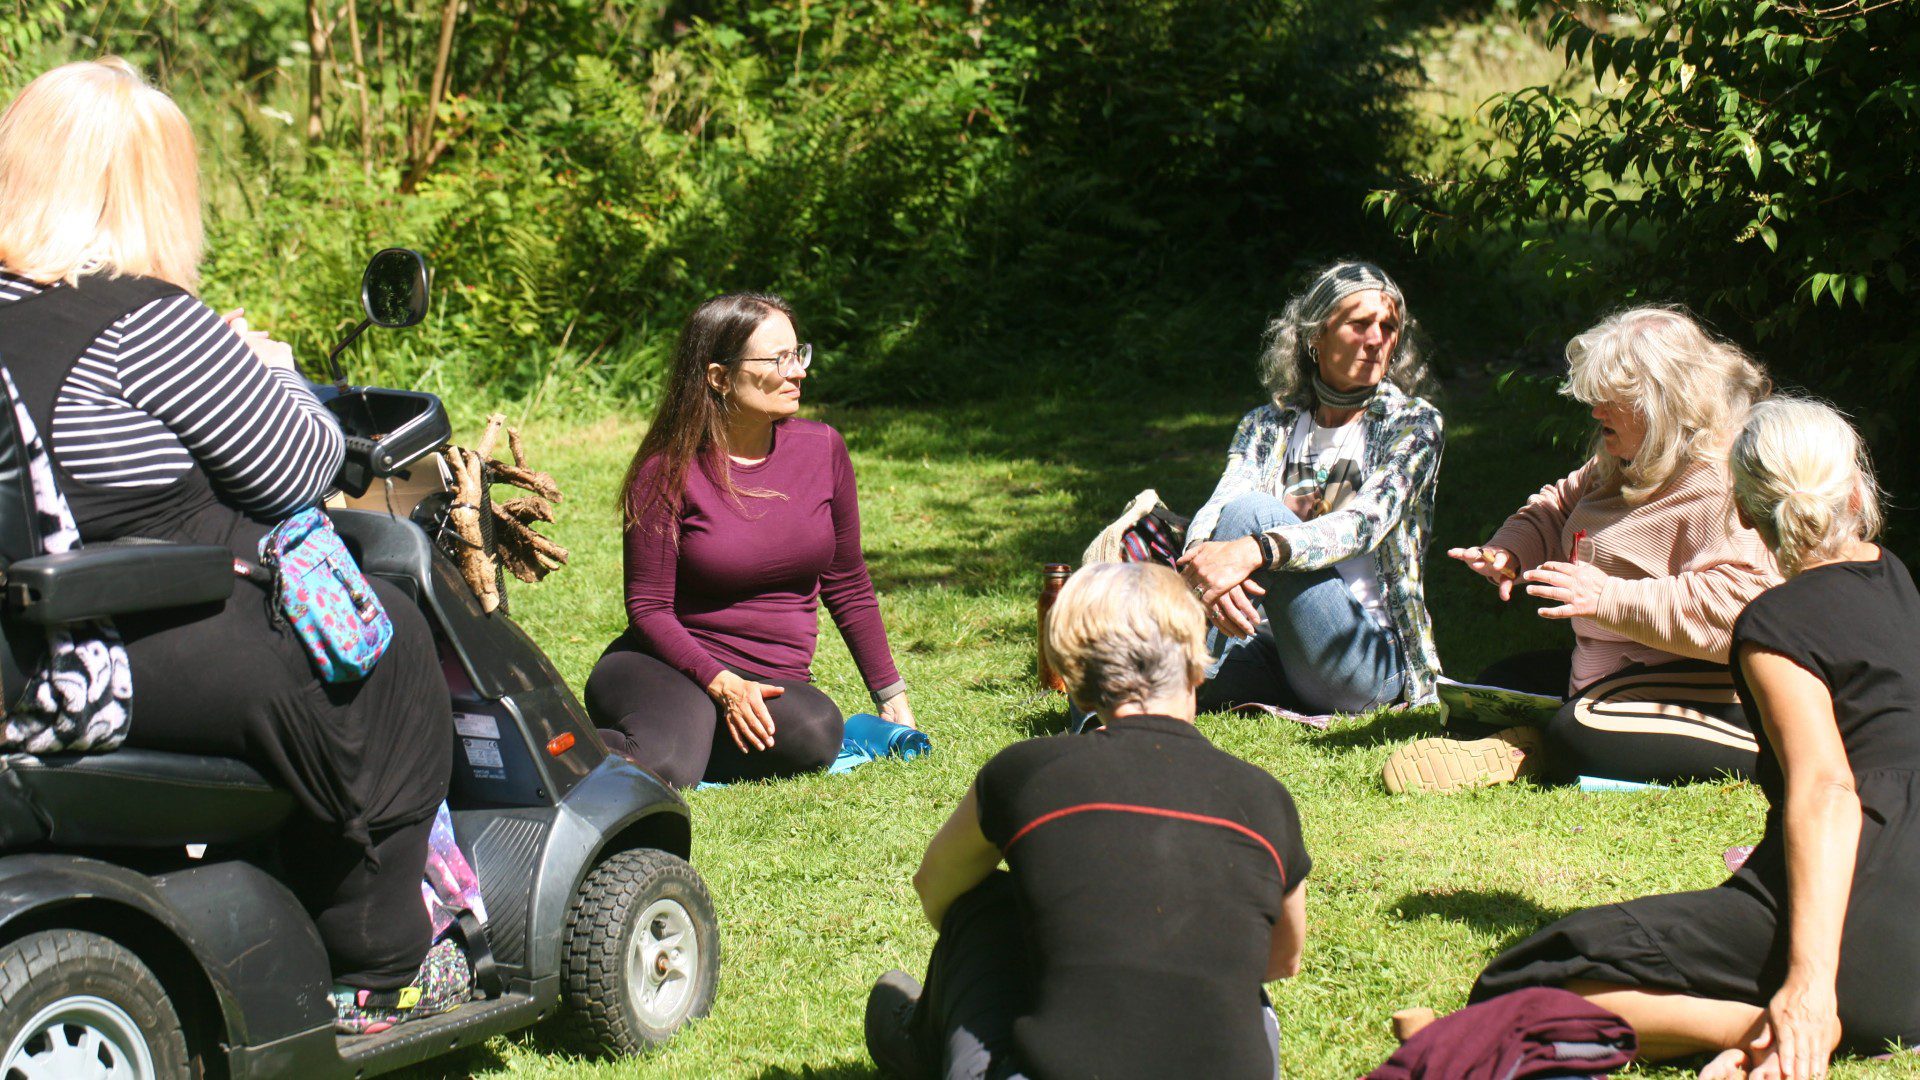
(1409, 896)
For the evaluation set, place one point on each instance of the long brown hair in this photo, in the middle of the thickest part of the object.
(691, 426)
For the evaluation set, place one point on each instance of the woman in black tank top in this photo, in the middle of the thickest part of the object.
(1811, 945)
(89, 240)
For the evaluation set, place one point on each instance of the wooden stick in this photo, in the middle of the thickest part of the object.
(476, 566)
(519, 452)
(528, 508)
(539, 483)
(527, 571)
(524, 536)
(490, 437)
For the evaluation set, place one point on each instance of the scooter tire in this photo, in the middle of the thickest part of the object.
(641, 952)
(74, 997)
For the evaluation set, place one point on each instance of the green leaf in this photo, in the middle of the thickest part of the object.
(1748, 148)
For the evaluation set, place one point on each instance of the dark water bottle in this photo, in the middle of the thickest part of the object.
(1053, 575)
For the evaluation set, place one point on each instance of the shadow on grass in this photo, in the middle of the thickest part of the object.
(1049, 721)
(548, 1038)
(1382, 728)
(1041, 477)
(1511, 915)
(844, 1070)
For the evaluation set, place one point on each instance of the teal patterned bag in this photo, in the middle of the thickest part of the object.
(321, 593)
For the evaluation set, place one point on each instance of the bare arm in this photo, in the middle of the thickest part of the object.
(1823, 835)
(958, 858)
(1289, 936)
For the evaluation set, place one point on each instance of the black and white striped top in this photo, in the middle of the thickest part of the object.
(170, 385)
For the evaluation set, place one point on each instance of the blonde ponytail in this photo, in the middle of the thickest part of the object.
(1801, 475)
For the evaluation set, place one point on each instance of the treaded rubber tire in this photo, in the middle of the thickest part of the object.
(599, 990)
(49, 966)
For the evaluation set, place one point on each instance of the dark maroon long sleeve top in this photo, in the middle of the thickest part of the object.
(742, 589)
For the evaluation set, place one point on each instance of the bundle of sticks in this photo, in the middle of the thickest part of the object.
(524, 553)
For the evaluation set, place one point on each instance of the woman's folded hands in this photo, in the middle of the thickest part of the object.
(748, 721)
(1220, 573)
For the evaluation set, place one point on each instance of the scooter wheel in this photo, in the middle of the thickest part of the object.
(73, 1003)
(642, 951)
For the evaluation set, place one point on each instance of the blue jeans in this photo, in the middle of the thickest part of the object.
(1318, 650)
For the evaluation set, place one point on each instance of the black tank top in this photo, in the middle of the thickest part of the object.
(42, 338)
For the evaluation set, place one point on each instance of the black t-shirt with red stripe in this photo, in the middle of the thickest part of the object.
(1151, 867)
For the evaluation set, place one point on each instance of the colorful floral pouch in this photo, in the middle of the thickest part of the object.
(321, 593)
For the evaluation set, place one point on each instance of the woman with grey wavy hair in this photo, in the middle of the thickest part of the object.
(1308, 554)
(1289, 364)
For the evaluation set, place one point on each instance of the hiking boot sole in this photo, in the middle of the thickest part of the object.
(1445, 765)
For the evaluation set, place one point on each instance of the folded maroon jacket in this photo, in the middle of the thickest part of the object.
(1538, 1032)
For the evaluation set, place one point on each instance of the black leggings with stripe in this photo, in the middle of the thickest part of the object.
(1660, 724)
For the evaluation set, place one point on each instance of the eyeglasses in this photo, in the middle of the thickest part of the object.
(787, 362)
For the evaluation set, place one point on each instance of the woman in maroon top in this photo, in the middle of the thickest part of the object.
(740, 517)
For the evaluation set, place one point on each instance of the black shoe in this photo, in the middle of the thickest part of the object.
(890, 1006)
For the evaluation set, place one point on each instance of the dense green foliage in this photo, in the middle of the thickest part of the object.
(937, 184)
(1753, 159)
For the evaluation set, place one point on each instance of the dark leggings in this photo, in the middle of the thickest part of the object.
(655, 717)
(980, 980)
(1659, 724)
(367, 762)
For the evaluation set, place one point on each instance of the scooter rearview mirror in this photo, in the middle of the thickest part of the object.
(394, 289)
(393, 292)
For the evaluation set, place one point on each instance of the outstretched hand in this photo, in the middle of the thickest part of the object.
(1497, 565)
(1800, 1031)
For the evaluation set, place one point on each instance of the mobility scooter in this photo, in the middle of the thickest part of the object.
(143, 933)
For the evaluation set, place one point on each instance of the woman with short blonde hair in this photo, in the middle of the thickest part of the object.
(1153, 882)
(1640, 550)
(1118, 636)
(1811, 944)
(164, 420)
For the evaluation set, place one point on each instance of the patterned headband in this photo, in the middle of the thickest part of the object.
(1339, 283)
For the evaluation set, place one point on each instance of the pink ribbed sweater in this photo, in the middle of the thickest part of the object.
(1680, 566)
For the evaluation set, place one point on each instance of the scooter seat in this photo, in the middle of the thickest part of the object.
(136, 798)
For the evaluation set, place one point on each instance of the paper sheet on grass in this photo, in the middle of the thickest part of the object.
(1495, 706)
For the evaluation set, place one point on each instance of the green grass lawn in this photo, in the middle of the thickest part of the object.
(1409, 896)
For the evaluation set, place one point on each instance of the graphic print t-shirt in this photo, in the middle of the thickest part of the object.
(1323, 471)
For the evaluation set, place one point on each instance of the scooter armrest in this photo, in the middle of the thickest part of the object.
(100, 582)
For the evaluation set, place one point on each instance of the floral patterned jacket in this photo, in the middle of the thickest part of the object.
(1391, 514)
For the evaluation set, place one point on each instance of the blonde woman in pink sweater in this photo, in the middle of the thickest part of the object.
(1641, 552)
